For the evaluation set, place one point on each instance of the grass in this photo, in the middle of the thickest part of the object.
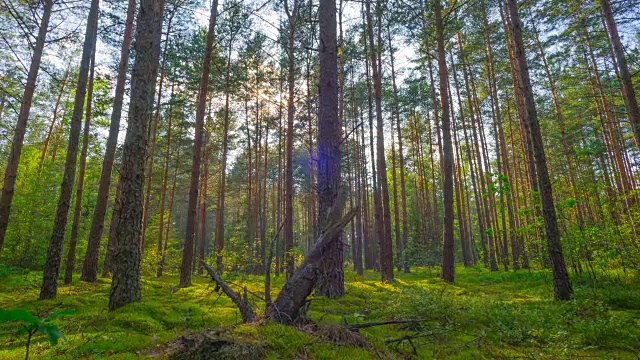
(483, 315)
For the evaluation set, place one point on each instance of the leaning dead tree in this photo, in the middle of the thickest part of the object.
(286, 309)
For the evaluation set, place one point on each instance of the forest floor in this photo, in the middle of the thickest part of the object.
(483, 316)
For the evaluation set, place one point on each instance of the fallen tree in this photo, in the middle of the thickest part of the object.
(286, 309)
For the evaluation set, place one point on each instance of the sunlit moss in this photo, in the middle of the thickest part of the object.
(483, 315)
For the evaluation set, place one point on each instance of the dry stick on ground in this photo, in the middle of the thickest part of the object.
(293, 295)
(248, 315)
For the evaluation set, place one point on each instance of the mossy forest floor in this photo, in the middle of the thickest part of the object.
(483, 316)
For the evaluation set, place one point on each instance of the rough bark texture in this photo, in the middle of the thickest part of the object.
(125, 286)
(293, 295)
(561, 283)
(448, 264)
(54, 253)
(288, 177)
(187, 255)
(73, 240)
(628, 91)
(384, 239)
(331, 277)
(11, 171)
(90, 265)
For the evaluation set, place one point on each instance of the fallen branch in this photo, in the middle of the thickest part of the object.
(293, 295)
(248, 315)
(356, 327)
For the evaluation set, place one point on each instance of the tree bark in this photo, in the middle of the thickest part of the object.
(223, 173)
(562, 284)
(154, 134)
(288, 187)
(187, 255)
(163, 195)
(54, 254)
(90, 265)
(331, 273)
(628, 91)
(73, 240)
(448, 260)
(384, 239)
(125, 286)
(11, 171)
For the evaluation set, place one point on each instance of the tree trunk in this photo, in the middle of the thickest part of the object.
(384, 239)
(448, 260)
(163, 195)
(11, 171)
(403, 192)
(187, 255)
(154, 134)
(90, 265)
(288, 187)
(73, 240)
(628, 91)
(562, 284)
(54, 254)
(331, 273)
(125, 286)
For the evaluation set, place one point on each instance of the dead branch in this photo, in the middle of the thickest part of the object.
(293, 295)
(248, 315)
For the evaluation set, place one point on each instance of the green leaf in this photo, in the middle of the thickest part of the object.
(52, 332)
(18, 315)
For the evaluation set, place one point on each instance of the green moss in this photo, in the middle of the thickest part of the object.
(483, 315)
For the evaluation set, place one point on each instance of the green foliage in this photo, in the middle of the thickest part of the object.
(30, 324)
(483, 315)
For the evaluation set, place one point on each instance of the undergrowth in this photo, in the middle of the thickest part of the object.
(483, 315)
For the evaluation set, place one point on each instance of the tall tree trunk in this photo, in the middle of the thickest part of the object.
(628, 91)
(154, 134)
(562, 285)
(448, 260)
(187, 255)
(288, 187)
(478, 183)
(11, 171)
(54, 254)
(331, 273)
(73, 240)
(202, 239)
(479, 209)
(360, 232)
(165, 180)
(377, 200)
(171, 199)
(90, 265)
(403, 190)
(384, 239)
(125, 286)
(223, 172)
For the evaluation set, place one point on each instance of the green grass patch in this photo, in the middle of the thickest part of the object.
(483, 315)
